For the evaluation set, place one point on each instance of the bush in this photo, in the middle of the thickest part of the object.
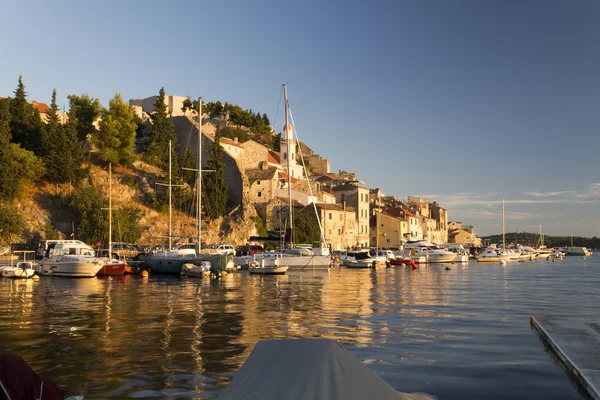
(11, 222)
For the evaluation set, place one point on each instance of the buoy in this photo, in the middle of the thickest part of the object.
(35, 277)
(144, 273)
(502, 261)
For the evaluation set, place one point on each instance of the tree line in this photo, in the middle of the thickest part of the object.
(535, 239)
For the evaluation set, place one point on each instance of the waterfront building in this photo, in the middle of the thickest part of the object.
(387, 230)
(463, 234)
(357, 197)
(338, 222)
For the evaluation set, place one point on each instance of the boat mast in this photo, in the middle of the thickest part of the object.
(503, 238)
(199, 185)
(109, 211)
(288, 147)
(170, 211)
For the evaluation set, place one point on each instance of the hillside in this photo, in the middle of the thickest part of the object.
(45, 205)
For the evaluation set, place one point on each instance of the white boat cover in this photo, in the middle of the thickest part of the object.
(308, 369)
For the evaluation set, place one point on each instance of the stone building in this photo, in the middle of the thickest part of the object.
(463, 234)
(263, 184)
(387, 230)
(315, 164)
(339, 224)
(174, 105)
(357, 197)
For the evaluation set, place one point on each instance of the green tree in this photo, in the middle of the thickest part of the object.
(126, 224)
(11, 222)
(85, 110)
(162, 131)
(189, 163)
(86, 204)
(25, 123)
(18, 165)
(276, 142)
(214, 187)
(116, 138)
(63, 154)
(306, 228)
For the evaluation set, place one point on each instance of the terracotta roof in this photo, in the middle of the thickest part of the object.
(41, 107)
(410, 214)
(347, 186)
(273, 157)
(389, 215)
(284, 177)
(288, 127)
(261, 173)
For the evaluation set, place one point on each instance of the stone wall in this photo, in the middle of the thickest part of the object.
(254, 154)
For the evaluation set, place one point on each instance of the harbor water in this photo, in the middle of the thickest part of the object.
(458, 334)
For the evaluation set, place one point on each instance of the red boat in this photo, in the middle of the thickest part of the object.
(404, 261)
(112, 268)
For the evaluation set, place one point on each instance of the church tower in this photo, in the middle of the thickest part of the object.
(287, 148)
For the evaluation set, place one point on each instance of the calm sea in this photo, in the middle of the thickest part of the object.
(458, 334)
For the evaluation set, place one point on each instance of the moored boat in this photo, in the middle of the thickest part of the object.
(71, 260)
(270, 267)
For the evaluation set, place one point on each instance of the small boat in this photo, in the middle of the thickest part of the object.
(492, 255)
(200, 271)
(23, 270)
(267, 267)
(404, 261)
(113, 267)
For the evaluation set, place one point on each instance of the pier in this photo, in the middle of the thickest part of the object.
(576, 342)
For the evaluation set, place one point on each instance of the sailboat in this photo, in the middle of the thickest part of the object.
(113, 266)
(576, 251)
(493, 254)
(173, 260)
(290, 255)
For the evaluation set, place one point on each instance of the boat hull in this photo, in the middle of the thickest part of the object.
(112, 269)
(268, 270)
(17, 273)
(172, 265)
(299, 262)
(74, 269)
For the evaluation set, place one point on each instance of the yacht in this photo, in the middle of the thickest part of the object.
(431, 252)
(71, 259)
(577, 251)
(493, 255)
(462, 255)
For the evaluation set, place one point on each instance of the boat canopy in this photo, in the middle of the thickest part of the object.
(299, 369)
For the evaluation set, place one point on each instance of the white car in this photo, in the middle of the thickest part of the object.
(223, 248)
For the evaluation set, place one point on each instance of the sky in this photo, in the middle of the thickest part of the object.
(463, 102)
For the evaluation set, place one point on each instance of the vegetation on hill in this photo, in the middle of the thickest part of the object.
(533, 239)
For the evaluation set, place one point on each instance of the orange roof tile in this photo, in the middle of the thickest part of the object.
(273, 157)
(41, 107)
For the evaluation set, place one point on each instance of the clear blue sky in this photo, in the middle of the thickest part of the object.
(464, 102)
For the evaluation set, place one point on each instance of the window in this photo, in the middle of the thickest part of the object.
(258, 182)
(339, 231)
(330, 231)
(330, 216)
(259, 194)
(285, 156)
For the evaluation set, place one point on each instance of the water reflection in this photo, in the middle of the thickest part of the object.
(423, 330)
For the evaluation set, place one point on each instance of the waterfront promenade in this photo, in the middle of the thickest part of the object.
(463, 333)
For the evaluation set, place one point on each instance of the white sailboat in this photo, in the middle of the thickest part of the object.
(172, 261)
(297, 258)
(493, 254)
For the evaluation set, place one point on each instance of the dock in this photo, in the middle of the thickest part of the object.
(576, 342)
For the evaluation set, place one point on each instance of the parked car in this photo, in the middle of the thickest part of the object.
(252, 249)
(126, 250)
(223, 248)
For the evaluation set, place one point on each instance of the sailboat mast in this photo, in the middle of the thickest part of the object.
(109, 210)
(288, 151)
(170, 212)
(503, 237)
(199, 185)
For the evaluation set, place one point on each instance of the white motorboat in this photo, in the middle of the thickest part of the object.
(462, 255)
(72, 260)
(432, 253)
(23, 270)
(267, 267)
(360, 259)
(493, 255)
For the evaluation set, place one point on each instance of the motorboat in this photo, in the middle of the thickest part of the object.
(492, 255)
(23, 270)
(360, 259)
(577, 251)
(431, 252)
(462, 255)
(72, 260)
(200, 271)
(267, 267)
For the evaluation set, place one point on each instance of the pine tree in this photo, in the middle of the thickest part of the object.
(163, 130)
(85, 111)
(116, 138)
(215, 187)
(26, 125)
